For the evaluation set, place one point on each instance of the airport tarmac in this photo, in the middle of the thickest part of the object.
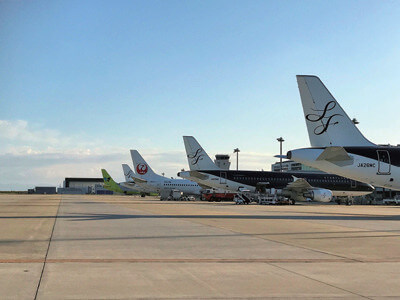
(123, 247)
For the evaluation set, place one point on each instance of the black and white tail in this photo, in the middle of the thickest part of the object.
(327, 123)
(197, 157)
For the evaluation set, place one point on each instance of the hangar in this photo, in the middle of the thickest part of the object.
(82, 185)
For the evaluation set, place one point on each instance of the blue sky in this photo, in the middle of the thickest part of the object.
(82, 82)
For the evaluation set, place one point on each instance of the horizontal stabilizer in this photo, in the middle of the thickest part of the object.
(128, 184)
(137, 179)
(336, 155)
(205, 187)
(197, 174)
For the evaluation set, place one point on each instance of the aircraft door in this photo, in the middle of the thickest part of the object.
(353, 184)
(383, 162)
(222, 178)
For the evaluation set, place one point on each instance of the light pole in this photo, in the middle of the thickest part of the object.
(237, 157)
(280, 140)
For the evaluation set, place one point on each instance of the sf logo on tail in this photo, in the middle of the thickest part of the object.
(141, 169)
(196, 157)
(325, 120)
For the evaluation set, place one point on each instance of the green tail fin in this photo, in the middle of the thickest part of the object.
(109, 183)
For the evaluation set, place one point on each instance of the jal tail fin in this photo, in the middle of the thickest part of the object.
(128, 173)
(197, 157)
(142, 168)
(327, 122)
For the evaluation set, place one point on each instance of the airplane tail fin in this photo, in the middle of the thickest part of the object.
(142, 168)
(327, 122)
(127, 172)
(108, 181)
(197, 157)
(106, 177)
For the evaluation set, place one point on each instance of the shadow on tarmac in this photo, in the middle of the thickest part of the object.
(386, 234)
(96, 217)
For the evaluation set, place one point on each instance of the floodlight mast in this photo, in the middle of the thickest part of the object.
(280, 140)
(237, 157)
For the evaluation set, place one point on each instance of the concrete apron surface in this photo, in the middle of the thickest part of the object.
(111, 247)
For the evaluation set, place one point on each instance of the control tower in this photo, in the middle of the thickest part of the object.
(222, 161)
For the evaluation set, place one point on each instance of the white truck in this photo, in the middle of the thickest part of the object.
(175, 195)
(392, 201)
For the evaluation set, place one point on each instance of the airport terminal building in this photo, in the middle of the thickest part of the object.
(290, 165)
(80, 185)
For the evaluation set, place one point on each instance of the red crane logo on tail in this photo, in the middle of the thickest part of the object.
(141, 169)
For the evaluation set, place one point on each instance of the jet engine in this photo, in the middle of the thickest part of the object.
(320, 195)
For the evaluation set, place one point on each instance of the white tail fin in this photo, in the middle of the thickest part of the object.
(142, 168)
(327, 123)
(197, 157)
(128, 173)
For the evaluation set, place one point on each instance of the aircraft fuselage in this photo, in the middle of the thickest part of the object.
(234, 180)
(378, 166)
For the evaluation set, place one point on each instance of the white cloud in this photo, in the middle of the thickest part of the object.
(19, 131)
(38, 156)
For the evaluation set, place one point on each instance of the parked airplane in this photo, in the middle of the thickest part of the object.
(337, 146)
(111, 185)
(146, 177)
(129, 181)
(296, 185)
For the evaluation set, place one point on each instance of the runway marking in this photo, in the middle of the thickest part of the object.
(193, 260)
(47, 251)
(320, 281)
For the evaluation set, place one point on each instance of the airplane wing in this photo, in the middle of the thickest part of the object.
(299, 184)
(205, 187)
(198, 175)
(336, 155)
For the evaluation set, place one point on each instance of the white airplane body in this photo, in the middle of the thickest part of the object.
(130, 182)
(146, 178)
(295, 185)
(337, 145)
